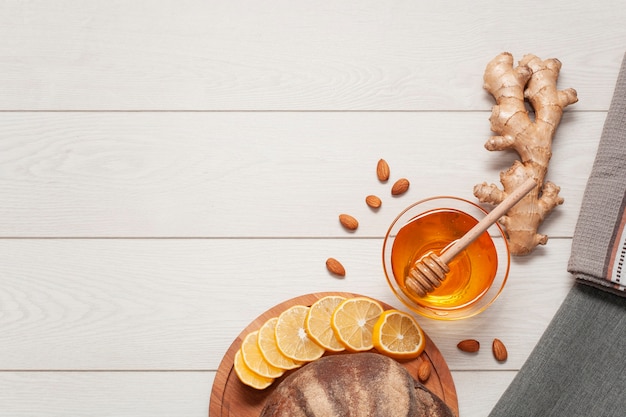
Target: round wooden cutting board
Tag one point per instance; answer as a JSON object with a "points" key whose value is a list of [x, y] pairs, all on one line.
{"points": [[231, 398]]}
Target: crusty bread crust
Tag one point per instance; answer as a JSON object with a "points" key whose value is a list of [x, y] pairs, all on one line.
{"points": [[353, 385]]}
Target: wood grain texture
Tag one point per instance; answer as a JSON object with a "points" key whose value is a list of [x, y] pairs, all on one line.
{"points": [[178, 304], [254, 174], [158, 157], [166, 394], [479, 391], [285, 55], [105, 394]]}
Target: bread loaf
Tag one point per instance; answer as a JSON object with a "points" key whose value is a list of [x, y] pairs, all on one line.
{"points": [[353, 385]]}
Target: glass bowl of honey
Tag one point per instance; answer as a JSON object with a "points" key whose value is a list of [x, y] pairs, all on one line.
{"points": [[477, 275]]}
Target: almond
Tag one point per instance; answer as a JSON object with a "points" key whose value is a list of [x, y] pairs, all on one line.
{"points": [[499, 350], [400, 187], [335, 267], [373, 201], [423, 371], [348, 221], [469, 345], [382, 170]]}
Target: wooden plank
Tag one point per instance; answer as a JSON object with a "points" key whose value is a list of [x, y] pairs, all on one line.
{"points": [[250, 55], [100, 394], [254, 174], [479, 391], [267, 121], [178, 304], [156, 394]]}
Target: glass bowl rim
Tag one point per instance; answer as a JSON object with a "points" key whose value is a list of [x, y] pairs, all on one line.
{"points": [[479, 305]]}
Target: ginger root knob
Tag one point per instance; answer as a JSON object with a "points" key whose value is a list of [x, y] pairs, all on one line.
{"points": [[533, 80]]}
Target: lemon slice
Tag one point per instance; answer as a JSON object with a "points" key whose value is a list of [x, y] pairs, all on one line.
{"points": [[397, 334], [291, 336], [247, 376], [353, 322], [253, 358], [317, 323], [269, 349]]}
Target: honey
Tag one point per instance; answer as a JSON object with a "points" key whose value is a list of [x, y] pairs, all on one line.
{"points": [[471, 272]]}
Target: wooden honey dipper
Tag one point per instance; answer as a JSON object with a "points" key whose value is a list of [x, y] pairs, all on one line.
{"points": [[430, 270]]}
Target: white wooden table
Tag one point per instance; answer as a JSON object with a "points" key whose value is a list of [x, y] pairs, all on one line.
{"points": [[171, 169]]}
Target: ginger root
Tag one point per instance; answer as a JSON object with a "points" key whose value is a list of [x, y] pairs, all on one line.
{"points": [[533, 80]]}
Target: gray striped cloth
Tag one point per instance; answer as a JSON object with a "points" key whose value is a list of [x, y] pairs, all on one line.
{"points": [[599, 245]]}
